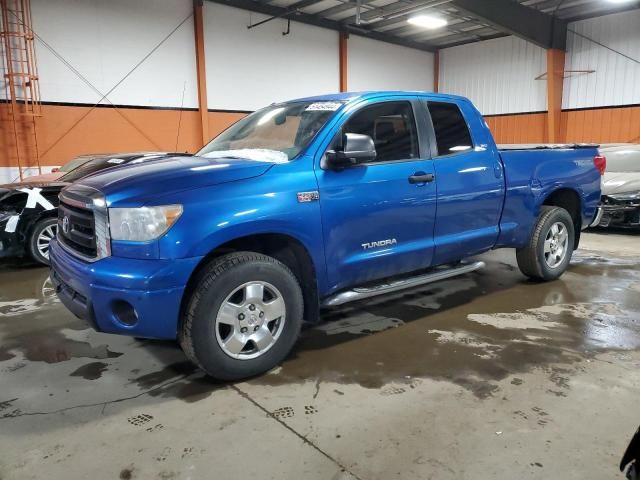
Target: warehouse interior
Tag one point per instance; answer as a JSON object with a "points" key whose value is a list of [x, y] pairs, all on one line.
{"points": [[487, 375]]}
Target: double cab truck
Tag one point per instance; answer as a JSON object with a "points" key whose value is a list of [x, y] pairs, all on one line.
{"points": [[305, 205]]}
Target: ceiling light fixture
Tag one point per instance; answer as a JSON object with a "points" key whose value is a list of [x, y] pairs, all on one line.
{"points": [[618, 1], [427, 21]]}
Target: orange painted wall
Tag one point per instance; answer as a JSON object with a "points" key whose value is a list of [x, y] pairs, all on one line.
{"points": [[604, 125], [104, 130], [524, 128], [131, 129], [598, 125]]}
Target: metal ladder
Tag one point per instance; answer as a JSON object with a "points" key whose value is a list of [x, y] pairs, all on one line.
{"points": [[20, 78]]}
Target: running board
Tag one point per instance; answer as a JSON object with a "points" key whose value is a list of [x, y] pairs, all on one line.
{"points": [[361, 293]]}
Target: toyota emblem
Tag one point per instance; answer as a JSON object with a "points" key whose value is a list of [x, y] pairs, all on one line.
{"points": [[65, 224]]}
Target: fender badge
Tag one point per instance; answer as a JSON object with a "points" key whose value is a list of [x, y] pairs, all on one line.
{"points": [[305, 197]]}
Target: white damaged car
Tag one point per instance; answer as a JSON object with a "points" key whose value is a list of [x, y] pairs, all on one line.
{"points": [[620, 186]]}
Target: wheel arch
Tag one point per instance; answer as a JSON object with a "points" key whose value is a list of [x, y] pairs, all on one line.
{"points": [[284, 248], [570, 200]]}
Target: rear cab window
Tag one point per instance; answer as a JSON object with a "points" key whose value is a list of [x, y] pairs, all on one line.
{"points": [[450, 128]]}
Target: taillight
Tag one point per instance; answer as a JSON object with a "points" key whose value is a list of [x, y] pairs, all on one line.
{"points": [[600, 162]]}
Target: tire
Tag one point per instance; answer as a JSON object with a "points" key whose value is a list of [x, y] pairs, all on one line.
{"points": [[41, 235], [533, 260], [211, 332]]}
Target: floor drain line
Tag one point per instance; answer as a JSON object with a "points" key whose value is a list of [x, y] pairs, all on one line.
{"points": [[247, 397]]}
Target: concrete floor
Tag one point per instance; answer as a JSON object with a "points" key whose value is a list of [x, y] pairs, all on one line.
{"points": [[487, 376]]}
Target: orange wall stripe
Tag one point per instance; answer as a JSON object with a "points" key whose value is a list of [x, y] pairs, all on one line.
{"points": [[523, 128], [106, 131]]}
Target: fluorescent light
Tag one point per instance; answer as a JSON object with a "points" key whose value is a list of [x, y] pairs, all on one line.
{"points": [[427, 21], [618, 1]]}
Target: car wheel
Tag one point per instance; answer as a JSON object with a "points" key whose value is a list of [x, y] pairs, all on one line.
{"points": [[43, 232], [551, 245], [243, 316]]}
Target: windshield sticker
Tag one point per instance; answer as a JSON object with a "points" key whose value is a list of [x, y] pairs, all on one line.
{"points": [[323, 107], [36, 198], [117, 161]]}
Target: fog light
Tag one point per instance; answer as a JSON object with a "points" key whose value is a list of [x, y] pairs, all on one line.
{"points": [[124, 312]]}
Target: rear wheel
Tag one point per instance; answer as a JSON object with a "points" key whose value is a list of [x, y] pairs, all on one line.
{"points": [[243, 317], [43, 232], [551, 245]]}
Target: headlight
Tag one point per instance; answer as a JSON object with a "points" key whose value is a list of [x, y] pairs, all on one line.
{"points": [[142, 224]]}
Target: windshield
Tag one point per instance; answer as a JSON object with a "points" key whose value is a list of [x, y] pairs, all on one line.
{"points": [[91, 166], [73, 164], [274, 134]]}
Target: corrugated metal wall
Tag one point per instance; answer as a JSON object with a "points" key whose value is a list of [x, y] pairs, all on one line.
{"points": [[602, 125], [616, 80], [523, 128], [497, 75], [374, 65]]}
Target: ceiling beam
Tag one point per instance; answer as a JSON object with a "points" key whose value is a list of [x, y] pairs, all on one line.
{"points": [[527, 23], [572, 14], [401, 7], [343, 7], [297, 16]]}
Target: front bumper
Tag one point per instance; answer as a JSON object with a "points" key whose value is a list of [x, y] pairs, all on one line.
{"points": [[122, 295], [11, 243], [618, 215]]}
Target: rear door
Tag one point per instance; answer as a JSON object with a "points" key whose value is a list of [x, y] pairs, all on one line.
{"points": [[469, 175], [377, 220]]}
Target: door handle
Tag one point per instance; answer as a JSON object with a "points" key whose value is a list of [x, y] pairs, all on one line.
{"points": [[421, 178]]}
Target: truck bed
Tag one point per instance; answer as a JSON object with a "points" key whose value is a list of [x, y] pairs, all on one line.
{"points": [[545, 146]]}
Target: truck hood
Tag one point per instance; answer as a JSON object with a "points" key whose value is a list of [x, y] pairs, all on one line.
{"points": [[136, 184], [620, 182]]}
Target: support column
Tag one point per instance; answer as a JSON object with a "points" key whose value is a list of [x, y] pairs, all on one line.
{"points": [[436, 71], [200, 70], [344, 68], [555, 81]]}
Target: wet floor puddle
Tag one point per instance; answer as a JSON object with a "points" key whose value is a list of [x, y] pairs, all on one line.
{"points": [[474, 331]]}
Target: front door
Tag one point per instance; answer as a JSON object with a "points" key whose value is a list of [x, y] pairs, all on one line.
{"points": [[378, 218]]}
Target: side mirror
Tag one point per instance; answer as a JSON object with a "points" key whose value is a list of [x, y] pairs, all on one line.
{"points": [[356, 148]]}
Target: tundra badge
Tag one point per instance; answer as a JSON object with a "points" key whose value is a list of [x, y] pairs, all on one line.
{"points": [[380, 243]]}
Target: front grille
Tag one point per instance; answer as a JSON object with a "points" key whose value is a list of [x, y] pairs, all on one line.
{"points": [[83, 224], [76, 229]]}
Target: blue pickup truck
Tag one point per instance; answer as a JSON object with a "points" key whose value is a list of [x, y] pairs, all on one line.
{"points": [[305, 205]]}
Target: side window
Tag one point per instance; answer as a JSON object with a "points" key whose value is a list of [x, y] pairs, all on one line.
{"points": [[452, 133], [392, 127]]}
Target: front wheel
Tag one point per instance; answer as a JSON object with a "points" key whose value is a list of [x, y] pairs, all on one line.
{"points": [[550, 247], [243, 317], [43, 232]]}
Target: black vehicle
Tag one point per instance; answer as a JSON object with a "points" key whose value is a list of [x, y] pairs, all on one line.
{"points": [[29, 209]]}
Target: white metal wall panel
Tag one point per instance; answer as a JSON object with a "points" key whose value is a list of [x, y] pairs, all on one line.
{"points": [[248, 69], [497, 75], [374, 65], [105, 39], [616, 80]]}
